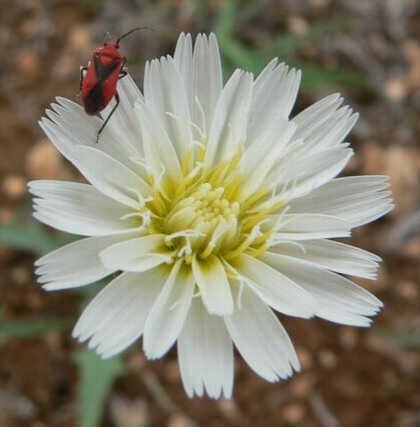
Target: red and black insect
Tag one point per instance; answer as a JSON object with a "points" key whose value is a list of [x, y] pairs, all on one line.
{"points": [[98, 81]]}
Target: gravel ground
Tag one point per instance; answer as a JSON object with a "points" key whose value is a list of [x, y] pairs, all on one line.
{"points": [[350, 377]]}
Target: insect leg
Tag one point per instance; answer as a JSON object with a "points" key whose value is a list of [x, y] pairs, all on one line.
{"points": [[123, 71], [82, 70], [117, 99]]}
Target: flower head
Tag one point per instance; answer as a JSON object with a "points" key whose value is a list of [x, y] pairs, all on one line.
{"points": [[215, 208]]}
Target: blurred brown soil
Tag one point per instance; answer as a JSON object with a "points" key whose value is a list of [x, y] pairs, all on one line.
{"points": [[350, 377]]}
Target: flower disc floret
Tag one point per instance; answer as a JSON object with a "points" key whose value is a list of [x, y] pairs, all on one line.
{"points": [[208, 215]]}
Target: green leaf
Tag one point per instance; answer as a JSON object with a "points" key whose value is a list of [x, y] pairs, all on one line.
{"points": [[314, 77], [226, 19], [408, 340], [236, 54], [23, 329], [288, 44], [96, 378], [240, 56], [32, 237]]}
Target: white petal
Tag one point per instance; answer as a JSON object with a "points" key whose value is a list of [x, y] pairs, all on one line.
{"points": [[261, 339], [297, 176], [332, 255], [71, 126], [212, 281], [68, 125], [115, 318], [260, 157], [121, 137], [183, 58], [76, 264], [323, 124], [79, 209], [128, 88], [274, 94], [334, 292], [356, 199], [338, 315], [164, 92], [318, 113], [274, 288], [110, 176], [205, 354], [168, 314], [160, 154], [206, 85], [230, 118], [330, 133], [310, 226], [121, 134], [136, 255], [202, 75]]}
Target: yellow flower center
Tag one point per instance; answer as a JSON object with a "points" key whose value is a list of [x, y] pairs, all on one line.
{"points": [[206, 214], [203, 223]]}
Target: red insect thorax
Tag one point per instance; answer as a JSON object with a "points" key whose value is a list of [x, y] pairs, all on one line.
{"points": [[109, 53]]}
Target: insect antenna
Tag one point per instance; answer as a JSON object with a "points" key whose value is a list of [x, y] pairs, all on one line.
{"points": [[132, 31]]}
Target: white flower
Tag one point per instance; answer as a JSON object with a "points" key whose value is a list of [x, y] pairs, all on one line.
{"points": [[215, 208]]}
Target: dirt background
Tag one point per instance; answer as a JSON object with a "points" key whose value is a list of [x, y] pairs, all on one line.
{"points": [[350, 377]]}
